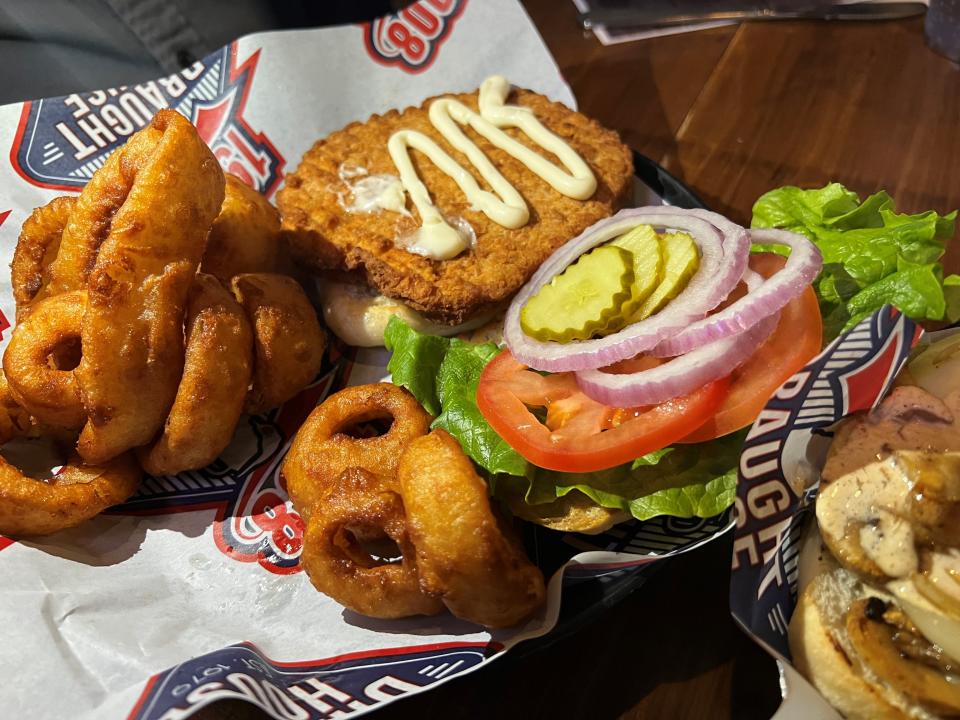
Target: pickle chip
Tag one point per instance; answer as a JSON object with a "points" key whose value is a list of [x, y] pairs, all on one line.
{"points": [[681, 261], [643, 243], [580, 302]]}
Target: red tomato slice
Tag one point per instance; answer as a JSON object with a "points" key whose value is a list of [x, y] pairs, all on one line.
{"points": [[797, 339], [579, 434]]}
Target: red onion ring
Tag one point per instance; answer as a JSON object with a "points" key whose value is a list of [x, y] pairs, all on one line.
{"points": [[724, 251], [771, 296], [679, 376]]}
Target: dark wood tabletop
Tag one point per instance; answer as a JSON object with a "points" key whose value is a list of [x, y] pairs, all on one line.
{"points": [[733, 112]]}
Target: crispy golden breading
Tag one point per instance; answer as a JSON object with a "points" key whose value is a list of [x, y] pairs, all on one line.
{"points": [[37, 247], [245, 237], [321, 450], [216, 374], [288, 342], [359, 507], [465, 553], [323, 235], [168, 191], [76, 494], [41, 356]]}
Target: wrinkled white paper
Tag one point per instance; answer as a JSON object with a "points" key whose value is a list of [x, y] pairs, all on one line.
{"points": [[96, 616]]}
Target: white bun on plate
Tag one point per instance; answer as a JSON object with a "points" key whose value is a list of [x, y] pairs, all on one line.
{"points": [[877, 625]]}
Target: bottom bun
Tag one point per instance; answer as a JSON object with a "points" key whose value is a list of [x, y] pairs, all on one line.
{"points": [[358, 315], [860, 649], [574, 512], [817, 641]]}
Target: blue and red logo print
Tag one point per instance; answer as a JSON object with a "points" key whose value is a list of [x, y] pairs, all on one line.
{"points": [[411, 38], [310, 690], [61, 142]]}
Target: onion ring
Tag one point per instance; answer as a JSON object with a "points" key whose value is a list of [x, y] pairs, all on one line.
{"points": [[357, 505], [37, 247], [724, 249], [321, 451], [39, 361], [132, 331], [98, 207], [245, 237], [679, 376], [216, 375], [288, 340], [15, 422], [76, 494], [463, 554]]}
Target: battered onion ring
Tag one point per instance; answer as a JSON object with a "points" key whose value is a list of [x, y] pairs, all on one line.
{"points": [[321, 451], [245, 237], [463, 554], [216, 375], [76, 494], [99, 204], [37, 246], [338, 565], [133, 327], [15, 422], [288, 340], [40, 359]]}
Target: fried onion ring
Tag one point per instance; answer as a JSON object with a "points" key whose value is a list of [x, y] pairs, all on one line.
{"points": [[216, 375], [39, 361], [288, 340], [98, 207], [15, 422], [76, 494], [338, 566], [132, 331], [322, 450], [463, 554], [245, 237], [37, 247]]}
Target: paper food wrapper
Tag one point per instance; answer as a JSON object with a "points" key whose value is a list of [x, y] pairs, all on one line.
{"points": [[779, 476], [191, 592]]}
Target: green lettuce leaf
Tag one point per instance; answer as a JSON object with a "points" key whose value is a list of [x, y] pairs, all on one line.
{"points": [[684, 481], [457, 382], [443, 375], [951, 289], [415, 361], [872, 255]]}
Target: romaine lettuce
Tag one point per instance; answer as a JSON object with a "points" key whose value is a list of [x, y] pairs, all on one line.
{"points": [[872, 255], [443, 374]]}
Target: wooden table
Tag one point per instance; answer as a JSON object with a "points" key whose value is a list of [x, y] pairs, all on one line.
{"points": [[733, 112]]}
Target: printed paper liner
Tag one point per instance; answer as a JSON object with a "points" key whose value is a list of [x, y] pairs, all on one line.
{"points": [[191, 592], [779, 476]]}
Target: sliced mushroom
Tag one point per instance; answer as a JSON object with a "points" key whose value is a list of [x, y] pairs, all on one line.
{"points": [[860, 517], [935, 499], [939, 580], [890, 647]]}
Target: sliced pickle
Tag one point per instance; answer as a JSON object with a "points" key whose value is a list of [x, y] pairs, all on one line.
{"points": [[643, 243], [681, 261], [580, 301]]}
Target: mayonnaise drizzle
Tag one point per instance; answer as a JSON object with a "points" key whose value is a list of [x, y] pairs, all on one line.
{"points": [[504, 206], [371, 193]]}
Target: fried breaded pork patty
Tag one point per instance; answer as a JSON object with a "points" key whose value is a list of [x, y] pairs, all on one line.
{"points": [[323, 235]]}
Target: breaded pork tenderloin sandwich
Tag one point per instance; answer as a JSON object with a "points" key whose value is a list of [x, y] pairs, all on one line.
{"points": [[440, 213]]}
